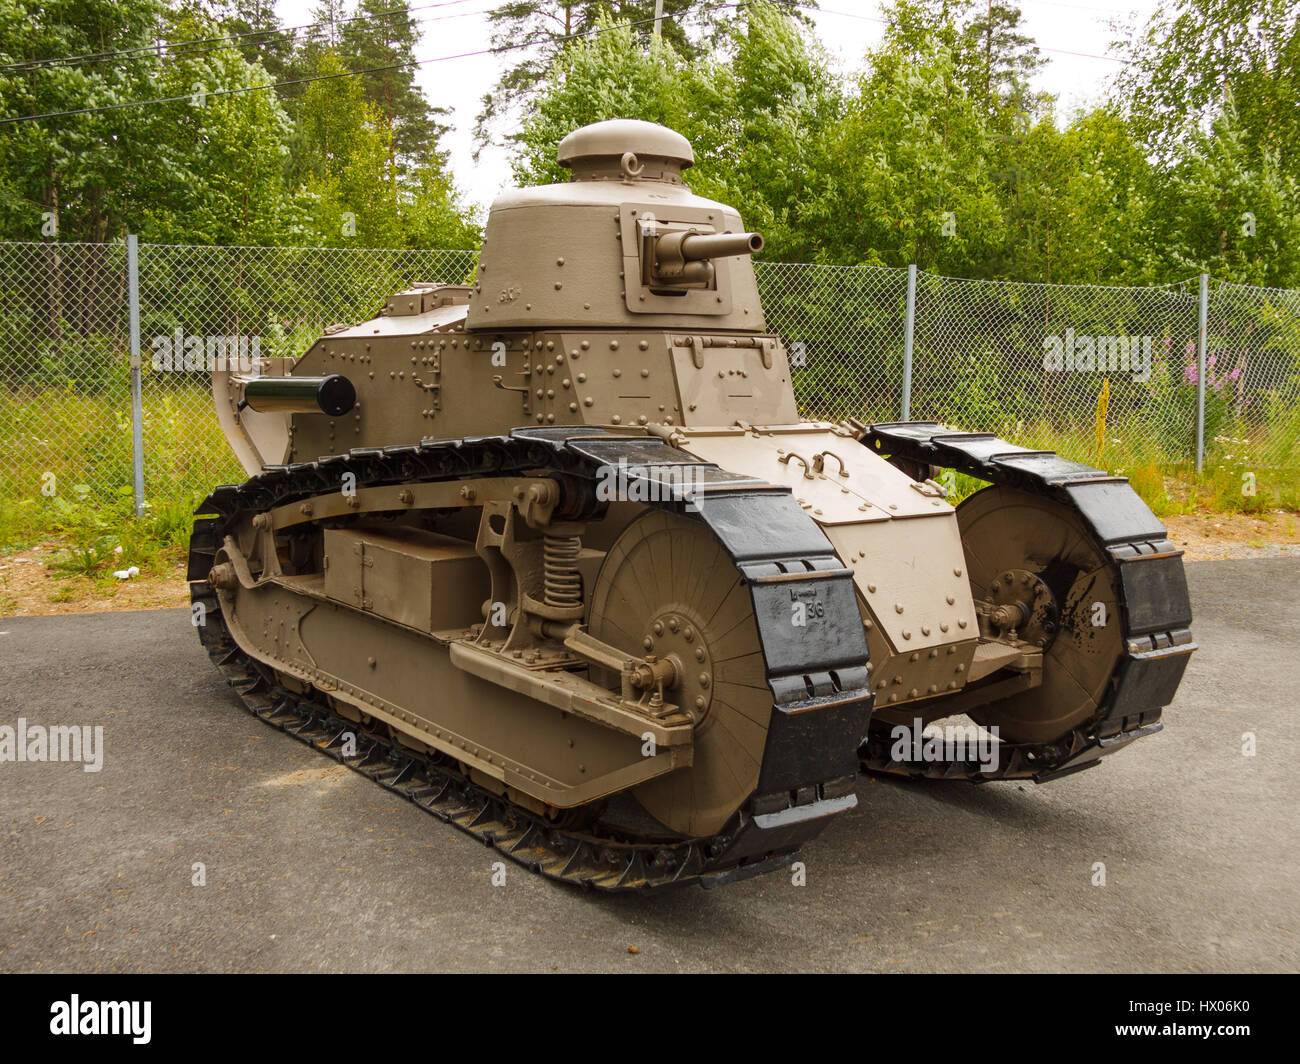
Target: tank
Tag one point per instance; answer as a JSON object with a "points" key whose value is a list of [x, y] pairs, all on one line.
{"points": [[554, 556]]}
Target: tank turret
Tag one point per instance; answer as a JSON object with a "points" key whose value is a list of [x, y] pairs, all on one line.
{"points": [[582, 253]]}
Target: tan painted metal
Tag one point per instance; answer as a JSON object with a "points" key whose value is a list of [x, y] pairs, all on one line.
{"points": [[257, 439], [668, 589], [1006, 530], [899, 537], [410, 681]]}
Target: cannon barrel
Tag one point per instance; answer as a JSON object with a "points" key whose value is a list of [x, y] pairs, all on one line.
{"points": [[696, 246], [686, 257], [334, 395]]}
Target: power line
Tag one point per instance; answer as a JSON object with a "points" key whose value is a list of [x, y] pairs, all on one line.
{"points": [[184, 48], [323, 77], [418, 63], [1040, 47]]}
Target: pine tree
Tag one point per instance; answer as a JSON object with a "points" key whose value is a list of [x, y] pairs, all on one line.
{"points": [[381, 38]]}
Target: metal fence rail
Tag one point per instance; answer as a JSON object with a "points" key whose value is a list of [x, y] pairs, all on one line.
{"points": [[1113, 375]]}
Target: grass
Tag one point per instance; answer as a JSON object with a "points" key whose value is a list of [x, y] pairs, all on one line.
{"points": [[67, 474], [1241, 475]]}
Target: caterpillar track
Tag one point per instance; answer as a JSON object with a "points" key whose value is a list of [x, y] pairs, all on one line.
{"points": [[1155, 611], [819, 698]]}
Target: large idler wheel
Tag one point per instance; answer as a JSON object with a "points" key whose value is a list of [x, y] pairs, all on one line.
{"points": [[1044, 544], [669, 589]]}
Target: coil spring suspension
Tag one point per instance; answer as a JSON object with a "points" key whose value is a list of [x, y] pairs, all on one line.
{"points": [[562, 580]]}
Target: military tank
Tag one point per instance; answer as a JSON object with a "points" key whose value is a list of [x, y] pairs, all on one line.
{"points": [[554, 556]]}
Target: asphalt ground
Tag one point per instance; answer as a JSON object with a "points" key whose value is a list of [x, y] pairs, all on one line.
{"points": [[310, 867]]}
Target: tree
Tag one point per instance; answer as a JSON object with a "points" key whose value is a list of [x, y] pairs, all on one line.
{"points": [[995, 62], [754, 111], [775, 85], [907, 171], [262, 37], [433, 214], [610, 74], [58, 168], [225, 154], [1228, 214], [1190, 57], [381, 41], [346, 159], [1079, 210], [536, 31]]}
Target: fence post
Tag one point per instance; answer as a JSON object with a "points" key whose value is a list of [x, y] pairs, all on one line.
{"points": [[137, 403], [909, 324], [1202, 339]]}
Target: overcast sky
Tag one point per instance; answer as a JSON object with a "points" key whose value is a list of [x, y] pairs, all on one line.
{"points": [[1075, 38]]}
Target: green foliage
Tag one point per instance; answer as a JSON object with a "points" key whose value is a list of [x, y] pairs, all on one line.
{"points": [[381, 40], [1230, 214], [908, 175], [219, 157], [612, 74], [537, 33]]}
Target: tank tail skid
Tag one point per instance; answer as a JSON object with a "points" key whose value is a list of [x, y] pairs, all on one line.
{"points": [[1156, 612]]}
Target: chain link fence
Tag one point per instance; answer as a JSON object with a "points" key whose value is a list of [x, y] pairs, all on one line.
{"points": [[1111, 375]]}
